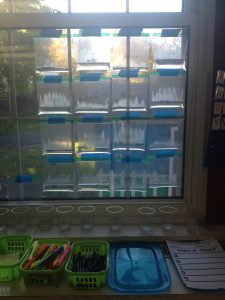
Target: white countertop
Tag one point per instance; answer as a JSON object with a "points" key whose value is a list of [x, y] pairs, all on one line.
{"points": [[177, 290]]}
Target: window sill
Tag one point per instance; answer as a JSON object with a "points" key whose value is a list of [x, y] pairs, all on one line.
{"points": [[128, 232]]}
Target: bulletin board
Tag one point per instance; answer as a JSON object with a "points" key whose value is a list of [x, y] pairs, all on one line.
{"points": [[215, 156]]}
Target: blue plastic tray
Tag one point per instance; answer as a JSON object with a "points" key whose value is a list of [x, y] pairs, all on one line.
{"points": [[137, 267]]}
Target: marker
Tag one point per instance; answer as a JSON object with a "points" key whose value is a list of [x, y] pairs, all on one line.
{"points": [[35, 246], [60, 260], [38, 255], [92, 263], [52, 248], [45, 260]]}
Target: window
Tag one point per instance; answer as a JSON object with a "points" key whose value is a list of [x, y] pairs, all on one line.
{"points": [[155, 6], [101, 108], [90, 6]]}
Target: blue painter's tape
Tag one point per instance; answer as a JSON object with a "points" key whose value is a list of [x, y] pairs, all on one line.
{"points": [[128, 73], [53, 79], [130, 115], [56, 119], [95, 31], [92, 118], [170, 32], [166, 113], [60, 158], [132, 158], [49, 32], [132, 31], [163, 152], [95, 156], [23, 178], [90, 76], [169, 72]]}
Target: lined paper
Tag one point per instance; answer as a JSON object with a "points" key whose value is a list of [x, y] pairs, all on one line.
{"points": [[201, 264]]}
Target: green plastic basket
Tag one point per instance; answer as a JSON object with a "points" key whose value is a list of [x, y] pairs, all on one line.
{"points": [[44, 277], [87, 280], [11, 244]]}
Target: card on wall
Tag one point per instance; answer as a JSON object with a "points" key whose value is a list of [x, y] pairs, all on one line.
{"points": [[215, 156]]}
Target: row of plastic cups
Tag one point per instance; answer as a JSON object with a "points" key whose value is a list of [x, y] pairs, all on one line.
{"points": [[167, 213], [167, 218], [86, 212], [44, 214]]}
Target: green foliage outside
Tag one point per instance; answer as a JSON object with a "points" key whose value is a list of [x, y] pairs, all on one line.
{"points": [[17, 50]]}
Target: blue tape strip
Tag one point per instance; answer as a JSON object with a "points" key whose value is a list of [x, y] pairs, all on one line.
{"points": [[169, 72], [132, 31], [60, 158], [130, 115], [90, 31], [163, 152], [53, 79], [90, 76], [51, 32], [56, 119], [132, 158], [95, 156], [90, 118], [128, 73], [23, 178], [166, 113], [170, 32]]}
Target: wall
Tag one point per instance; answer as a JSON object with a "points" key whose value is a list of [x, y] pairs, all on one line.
{"points": [[216, 176]]}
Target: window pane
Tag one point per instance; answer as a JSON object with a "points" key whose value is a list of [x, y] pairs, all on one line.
{"points": [[106, 117], [5, 97], [24, 71], [40, 6], [92, 6], [155, 5], [4, 8], [9, 169], [30, 146]]}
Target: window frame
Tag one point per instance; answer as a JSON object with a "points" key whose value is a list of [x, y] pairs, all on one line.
{"points": [[194, 15]]}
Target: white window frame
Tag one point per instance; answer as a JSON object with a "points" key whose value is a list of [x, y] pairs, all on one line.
{"points": [[195, 15]]}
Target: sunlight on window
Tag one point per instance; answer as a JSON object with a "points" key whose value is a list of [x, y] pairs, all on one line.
{"points": [[93, 6], [155, 5], [61, 6]]}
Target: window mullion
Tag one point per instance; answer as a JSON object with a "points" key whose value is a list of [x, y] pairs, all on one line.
{"points": [[128, 121], [14, 106], [73, 20], [127, 6]]}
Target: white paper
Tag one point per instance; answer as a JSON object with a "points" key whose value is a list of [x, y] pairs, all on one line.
{"points": [[200, 264]]}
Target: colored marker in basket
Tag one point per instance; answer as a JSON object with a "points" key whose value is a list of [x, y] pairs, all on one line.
{"points": [[37, 256], [47, 256], [42, 262], [61, 259]]}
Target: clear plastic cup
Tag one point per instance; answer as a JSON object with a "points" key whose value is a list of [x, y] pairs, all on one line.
{"points": [[20, 217], [3, 215], [115, 212], [168, 218], [146, 219], [192, 221], [64, 214], [44, 213], [86, 217]]}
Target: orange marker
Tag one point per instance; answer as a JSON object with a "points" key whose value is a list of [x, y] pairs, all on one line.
{"points": [[37, 256]]}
